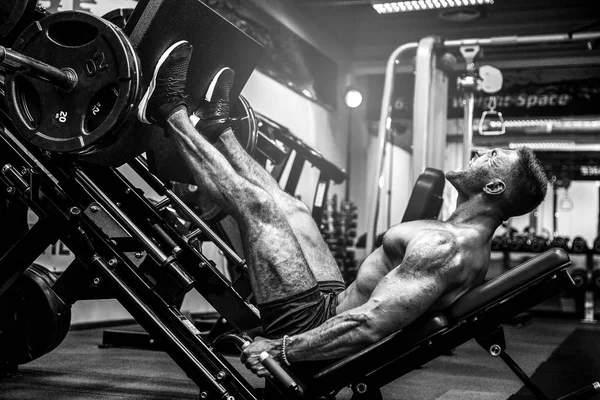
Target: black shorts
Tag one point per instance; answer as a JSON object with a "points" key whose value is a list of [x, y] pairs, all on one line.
{"points": [[302, 311]]}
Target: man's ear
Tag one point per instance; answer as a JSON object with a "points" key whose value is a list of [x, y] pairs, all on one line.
{"points": [[495, 187]]}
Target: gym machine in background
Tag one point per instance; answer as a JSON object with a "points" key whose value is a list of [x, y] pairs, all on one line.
{"points": [[433, 61], [301, 153]]}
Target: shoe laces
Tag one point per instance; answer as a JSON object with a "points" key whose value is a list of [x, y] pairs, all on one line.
{"points": [[175, 87], [218, 109]]}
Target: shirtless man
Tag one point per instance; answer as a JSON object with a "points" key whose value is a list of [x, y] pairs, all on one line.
{"points": [[306, 311]]}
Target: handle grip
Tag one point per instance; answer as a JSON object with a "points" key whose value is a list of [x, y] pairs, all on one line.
{"points": [[287, 384]]}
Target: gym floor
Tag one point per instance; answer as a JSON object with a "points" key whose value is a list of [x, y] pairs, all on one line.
{"points": [[79, 369]]}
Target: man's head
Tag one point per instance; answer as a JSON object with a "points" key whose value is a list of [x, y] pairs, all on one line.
{"points": [[513, 180]]}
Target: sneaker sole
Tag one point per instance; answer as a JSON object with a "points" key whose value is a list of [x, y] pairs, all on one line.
{"points": [[213, 84], [144, 102]]}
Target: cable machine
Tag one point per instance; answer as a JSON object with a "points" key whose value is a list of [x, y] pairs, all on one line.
{"points": [[431, 99]]}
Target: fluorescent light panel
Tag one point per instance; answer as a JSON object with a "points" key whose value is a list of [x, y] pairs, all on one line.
{"points": [[419, 5]]}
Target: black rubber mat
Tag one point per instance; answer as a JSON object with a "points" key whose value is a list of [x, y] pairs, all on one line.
{"points": [[574, 364]]}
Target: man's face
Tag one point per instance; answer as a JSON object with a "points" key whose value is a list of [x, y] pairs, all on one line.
{"points": [[485, 166]]}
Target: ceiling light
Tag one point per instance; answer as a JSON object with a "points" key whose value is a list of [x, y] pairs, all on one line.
{"points": [[353, 98], [417, 5]]}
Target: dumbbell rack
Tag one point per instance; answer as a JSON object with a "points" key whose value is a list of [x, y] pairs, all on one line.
{"points": [[125, 250]]}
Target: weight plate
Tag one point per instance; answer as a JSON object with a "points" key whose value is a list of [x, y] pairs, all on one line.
{"points": [[244, 124], [119, 17], [12, 12], [63, 320], [31, 318], [108, 71]]}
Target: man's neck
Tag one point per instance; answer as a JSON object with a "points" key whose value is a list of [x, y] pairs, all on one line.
{"points": [[477, 214]]}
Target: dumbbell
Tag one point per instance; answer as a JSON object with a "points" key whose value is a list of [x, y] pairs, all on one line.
{"points": [[596, 278], [498, 243], [596, 245], [579, 275], [538, 244], [579, 245], [560, 242], [520, 242]]}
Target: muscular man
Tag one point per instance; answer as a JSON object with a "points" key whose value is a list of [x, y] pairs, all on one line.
{"points": [[306, 311]]}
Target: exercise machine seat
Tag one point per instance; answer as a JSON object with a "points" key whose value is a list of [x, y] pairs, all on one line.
{"points": [[427, 196], [437, 333], [509, 282]]}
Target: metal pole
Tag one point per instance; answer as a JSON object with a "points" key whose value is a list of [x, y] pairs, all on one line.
{"points": [[531, 39], [348, 154], [469, 109], [65, 79], [390, 181], [156, 253], [384, 125], [139, 166]]}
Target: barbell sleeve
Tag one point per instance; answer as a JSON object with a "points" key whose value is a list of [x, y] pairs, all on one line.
{"points": [[65, 78]]}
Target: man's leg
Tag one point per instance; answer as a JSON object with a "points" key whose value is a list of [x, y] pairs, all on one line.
{"points": [[277, 264], [278, 268], [317, 254]]}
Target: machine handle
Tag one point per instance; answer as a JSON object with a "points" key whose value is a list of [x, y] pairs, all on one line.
{"points": [[282, 379], [584, 393]]}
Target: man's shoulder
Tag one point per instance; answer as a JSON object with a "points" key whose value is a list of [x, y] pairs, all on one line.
{"points": [[433, 249], [434, 237], [414, 229]]}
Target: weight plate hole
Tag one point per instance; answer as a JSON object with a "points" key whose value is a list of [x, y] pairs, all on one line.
{"points": [[29, 102], [72, 33], [100, 106]]}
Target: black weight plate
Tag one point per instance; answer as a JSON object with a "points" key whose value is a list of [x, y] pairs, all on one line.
{"points": [[12, 12], [244, 124], [109, 95], [119, 17], [63, 320], [108, 81], [29, 318]]}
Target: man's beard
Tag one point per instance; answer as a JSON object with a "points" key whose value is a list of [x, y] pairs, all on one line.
{"points": [[468, 181]]}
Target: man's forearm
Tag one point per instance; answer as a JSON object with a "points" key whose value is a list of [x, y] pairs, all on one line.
{"points": [[338, 337]]}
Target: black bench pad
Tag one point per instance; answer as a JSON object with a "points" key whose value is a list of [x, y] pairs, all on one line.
{"points": [[401, 342], [506, 284]]}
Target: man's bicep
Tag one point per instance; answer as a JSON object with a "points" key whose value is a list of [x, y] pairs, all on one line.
{"points": [[399, 299], [411, 288]]}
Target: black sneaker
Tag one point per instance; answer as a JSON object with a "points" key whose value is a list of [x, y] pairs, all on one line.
{"points": [[212, 119], [168, 87]]}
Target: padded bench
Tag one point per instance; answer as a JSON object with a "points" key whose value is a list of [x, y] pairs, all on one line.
{"points": [[478, 314]]}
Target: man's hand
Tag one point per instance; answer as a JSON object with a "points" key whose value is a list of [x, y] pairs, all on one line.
{"points": [[251, 353]]}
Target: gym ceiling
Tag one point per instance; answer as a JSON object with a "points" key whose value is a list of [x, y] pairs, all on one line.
{"points": [[372, 37]]}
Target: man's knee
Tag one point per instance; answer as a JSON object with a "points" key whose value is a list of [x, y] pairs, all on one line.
{"points": [[296, 207], [258, 202]]}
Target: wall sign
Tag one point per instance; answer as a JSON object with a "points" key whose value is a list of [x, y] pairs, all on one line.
{"points": [[548, 92]]}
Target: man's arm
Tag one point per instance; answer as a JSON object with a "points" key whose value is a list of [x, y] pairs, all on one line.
{"points": [[403, 295]]}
